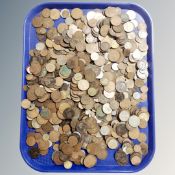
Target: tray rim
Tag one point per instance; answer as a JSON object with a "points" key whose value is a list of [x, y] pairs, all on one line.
{"points": [[149, 19]]}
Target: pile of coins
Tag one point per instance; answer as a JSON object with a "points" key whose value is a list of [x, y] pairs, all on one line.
{"points": [[85, 81]]}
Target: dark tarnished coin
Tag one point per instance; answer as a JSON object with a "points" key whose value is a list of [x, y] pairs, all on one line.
{"points": [[121, 157], [34, 152], [121, 129], [68, 113], [119, 97]]}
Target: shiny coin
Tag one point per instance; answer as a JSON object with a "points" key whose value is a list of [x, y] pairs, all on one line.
{"points": [[40, 46], [105, 130], [25, 104], [131, 14], [128, 26], [134, 121], [113, 144], [124, 115], [83, 85], [106, 108], [67, 164]]}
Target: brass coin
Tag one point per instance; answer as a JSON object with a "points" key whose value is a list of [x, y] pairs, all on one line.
{"points": [[25, 104], [45, 13], [54, 14], [76, 13], [37, 21]]}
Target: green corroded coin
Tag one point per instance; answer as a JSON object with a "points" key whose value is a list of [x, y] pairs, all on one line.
{"points": [[64, 71], [45, 113], [99, 112]]}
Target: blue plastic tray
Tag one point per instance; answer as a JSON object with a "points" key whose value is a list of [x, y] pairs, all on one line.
{"points": [[44, 163]]}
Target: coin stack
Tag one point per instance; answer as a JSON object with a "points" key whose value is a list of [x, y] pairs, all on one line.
{"points": [[85, 81]]}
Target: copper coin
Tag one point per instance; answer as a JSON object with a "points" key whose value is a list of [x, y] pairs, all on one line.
{"points": [[30, 141], [90, 161], [73, 140]]}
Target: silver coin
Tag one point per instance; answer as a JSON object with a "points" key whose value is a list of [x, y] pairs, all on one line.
{"points": [[121, 86], [142, 64]]}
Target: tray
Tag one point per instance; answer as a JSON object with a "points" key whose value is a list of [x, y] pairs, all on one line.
{"points": [[44, 163]]}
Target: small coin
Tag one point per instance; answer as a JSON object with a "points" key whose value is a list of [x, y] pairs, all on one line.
{"points": [[121, 129], [37, 21], [128, 26], [76, 13], [144, 115], [136, 158], [65, 13], [131, 14], [67, 164], [40, 46], [33, 152], [50, 67], [73, 140], [111, 11], [67, 111], [107, 109], [59, 81], [134, 133], [83, 85], [30, 141], [116, 20], [26, 104], [45, 13], [134, 121], [124, 115], [113, 144], [142, 137], [105, 130], [54, 14], [121, 157], [54, 136], [90, 161], [114, 55]]}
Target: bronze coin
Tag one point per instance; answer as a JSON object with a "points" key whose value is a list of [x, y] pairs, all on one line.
{"points": [[72, 140], [90, 75], [67, 149], [102, 154], [56, 158], [47, 127], [56, 96]]}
